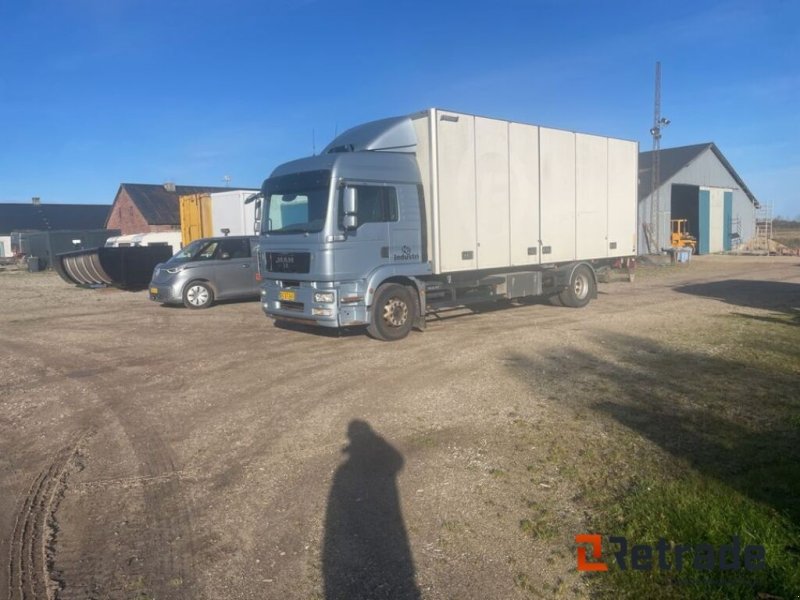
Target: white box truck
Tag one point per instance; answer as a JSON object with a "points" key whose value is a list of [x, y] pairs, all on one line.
{"points": [[219, 214], [406, 215]]}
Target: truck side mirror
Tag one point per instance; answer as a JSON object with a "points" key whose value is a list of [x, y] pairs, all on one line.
{"points": [[257, 217], [350, 220]]}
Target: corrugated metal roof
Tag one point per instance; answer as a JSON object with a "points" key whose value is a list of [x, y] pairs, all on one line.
{"points": [[674, 159], [50, 217], [160, 206]]}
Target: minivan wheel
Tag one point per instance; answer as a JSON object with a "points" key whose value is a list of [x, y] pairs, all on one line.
{"points": [[197, 295], [393, 313]]}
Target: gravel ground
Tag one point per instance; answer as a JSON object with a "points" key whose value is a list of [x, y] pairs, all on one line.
{"points": [[154, 452]]}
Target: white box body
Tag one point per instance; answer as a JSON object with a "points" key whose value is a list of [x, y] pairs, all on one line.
{"points": [[503, 194]]}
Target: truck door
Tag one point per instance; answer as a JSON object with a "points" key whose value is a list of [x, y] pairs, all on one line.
{"points": [[406, 232], [368, 245]]}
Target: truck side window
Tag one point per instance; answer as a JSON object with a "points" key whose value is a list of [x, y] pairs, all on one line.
{"points": [[376, 204]]}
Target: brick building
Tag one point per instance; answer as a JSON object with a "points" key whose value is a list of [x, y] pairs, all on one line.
{"points": [[144, 207]]}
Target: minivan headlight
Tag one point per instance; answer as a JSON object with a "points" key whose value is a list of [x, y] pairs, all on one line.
{"points": [[324, 297], [174, 270]]}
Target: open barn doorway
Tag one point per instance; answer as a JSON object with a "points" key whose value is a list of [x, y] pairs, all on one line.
{"points": [[685, 204]]}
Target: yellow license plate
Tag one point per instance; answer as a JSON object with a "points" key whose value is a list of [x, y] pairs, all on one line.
{"points": [[154, 291], [286, 295]]}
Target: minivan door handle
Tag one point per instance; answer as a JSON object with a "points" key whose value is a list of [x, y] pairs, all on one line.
{"points": [[245, 266]]}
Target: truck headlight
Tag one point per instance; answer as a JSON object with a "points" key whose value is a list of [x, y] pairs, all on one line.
{"points": [[324, 297]]}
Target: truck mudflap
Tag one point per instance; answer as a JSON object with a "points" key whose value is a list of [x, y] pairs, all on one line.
{"points": [[126, 267]]}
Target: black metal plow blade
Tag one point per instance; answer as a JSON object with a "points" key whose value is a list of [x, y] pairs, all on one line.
{"points": [[127, 267]]}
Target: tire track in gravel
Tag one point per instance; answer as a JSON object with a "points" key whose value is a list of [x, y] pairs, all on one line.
{"points": [[165, 569], [31, 551]]}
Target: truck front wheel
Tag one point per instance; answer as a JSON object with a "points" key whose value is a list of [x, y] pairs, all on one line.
{"points": [[393, 313], [580, 290]]}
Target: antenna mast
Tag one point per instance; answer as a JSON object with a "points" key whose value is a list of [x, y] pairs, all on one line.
{"points": [[659, 122]]}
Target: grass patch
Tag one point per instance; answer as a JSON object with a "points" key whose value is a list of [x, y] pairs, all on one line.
{"points": [[539, 527], [498, 473], [738, 433], [787, 236], [699, 442], [695, 510]]}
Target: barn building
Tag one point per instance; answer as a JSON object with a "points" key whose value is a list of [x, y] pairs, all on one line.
{"points": [[144, 208], [35, 216], [700, 185]]}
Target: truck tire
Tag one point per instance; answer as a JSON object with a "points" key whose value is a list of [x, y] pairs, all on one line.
{"points": [[197, 294], [393, 313], [580, 290]]}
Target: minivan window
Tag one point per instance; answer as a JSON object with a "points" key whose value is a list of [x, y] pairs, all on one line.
{"points": [[235, 248], [208, 251], [188, 252]]}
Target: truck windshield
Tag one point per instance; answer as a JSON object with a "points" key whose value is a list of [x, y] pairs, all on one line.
{"points": [[296, 203]]}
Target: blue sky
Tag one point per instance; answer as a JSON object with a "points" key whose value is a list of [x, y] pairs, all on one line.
{"points": [[97, 92]]}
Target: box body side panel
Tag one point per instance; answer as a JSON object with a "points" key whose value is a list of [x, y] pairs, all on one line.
{"points": [[456, 192], [524, 194], [228, 211], [492, 193], [557, 202], [622, 210], [591, 196], [424, 155]]}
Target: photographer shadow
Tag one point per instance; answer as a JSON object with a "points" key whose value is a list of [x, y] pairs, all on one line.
{"points": [[366, 553]]}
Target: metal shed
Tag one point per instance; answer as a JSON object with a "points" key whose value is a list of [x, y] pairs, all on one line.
{"points": [[45, 245], [700, 185]]}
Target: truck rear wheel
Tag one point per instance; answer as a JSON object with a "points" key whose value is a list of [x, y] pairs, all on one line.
{"points": [[393, 313], [580, 290]]}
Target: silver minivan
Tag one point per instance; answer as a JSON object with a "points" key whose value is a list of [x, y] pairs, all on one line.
{"points": [[209, 269]]}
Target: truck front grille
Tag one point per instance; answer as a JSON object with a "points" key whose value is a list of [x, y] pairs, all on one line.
{"points": [[287, 262]]}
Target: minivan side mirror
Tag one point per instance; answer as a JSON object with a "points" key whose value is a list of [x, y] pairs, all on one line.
{"points": [[350, 220]]}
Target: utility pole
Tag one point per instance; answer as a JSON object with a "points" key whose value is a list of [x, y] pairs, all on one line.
{"points": [[659, 122]]}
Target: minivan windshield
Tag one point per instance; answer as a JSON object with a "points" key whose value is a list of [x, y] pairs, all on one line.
{"points": [[296, 203], [196, 250]]}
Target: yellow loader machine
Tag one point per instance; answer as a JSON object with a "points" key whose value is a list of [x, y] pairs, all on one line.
{"points": [[681, 238]]}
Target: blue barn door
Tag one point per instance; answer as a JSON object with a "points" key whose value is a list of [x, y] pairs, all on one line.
{"points": [[704, 218]]}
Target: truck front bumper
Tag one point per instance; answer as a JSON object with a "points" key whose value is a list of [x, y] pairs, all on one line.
{"points": [[306, 302]]}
